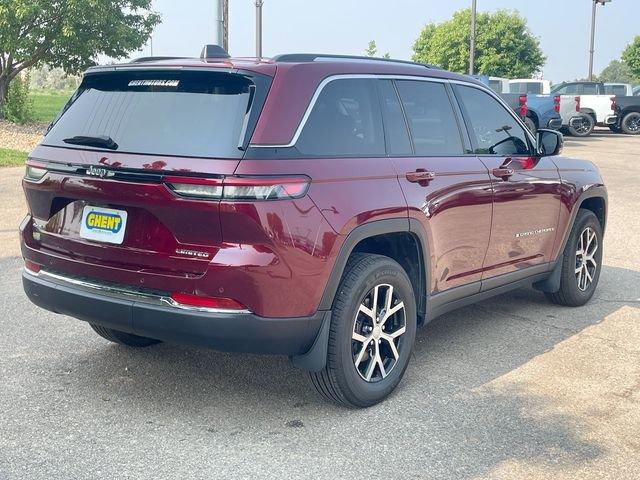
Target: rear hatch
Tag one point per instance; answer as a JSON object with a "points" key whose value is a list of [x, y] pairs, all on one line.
{"points": [[113, 182]]}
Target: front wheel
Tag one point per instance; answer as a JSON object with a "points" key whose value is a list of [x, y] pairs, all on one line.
{"points": [[373, 328], [631, 123], [581, 262], [582, 127]]}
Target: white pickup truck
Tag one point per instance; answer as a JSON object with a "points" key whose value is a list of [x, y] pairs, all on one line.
{"points": [[595, 103]]}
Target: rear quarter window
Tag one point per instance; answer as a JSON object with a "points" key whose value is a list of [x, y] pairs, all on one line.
{"points": [[197, 114]]}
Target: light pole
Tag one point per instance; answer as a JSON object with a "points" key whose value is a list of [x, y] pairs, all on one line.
{"points": [[593, 34], [472, 46], [259, 28], [218, 18]]}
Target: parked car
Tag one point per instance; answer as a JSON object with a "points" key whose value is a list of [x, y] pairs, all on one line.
{"points": [[574, 122], [628, 115], [315, 206], [530, 85], [618, 89], [537, 111], [592, 88]]}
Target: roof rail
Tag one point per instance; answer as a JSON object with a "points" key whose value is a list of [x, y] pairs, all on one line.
{"points": [[152, 59], [324, 57]]}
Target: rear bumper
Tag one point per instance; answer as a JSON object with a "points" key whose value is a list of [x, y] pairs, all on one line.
{"points": [[555, 123], [236, 332]]}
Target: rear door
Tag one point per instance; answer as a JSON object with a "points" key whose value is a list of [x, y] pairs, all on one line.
{"points": [[446, 189], [526, 200]]}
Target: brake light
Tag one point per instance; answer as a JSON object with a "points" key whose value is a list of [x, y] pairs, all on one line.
{"points": [[556, 104], [196, 301], [31, 266], [240, 188], [523, 105], [577, 99], [613, 103]]}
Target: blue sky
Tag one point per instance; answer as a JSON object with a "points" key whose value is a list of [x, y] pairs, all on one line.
{"points": [[346, 26]]}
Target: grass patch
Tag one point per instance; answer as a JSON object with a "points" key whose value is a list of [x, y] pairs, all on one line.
{"points": [[12, 158], [47, 104]]}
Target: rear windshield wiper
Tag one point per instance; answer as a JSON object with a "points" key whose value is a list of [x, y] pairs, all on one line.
{"points": [[101, 141]]}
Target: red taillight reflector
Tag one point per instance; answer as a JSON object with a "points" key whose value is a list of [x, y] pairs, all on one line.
{"points": [[523, 105], [577, 99], [613, 103], [556, 103], [197, 301], [31, 266]]}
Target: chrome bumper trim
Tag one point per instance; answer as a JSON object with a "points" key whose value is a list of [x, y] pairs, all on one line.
{"points": [[126, 293]]}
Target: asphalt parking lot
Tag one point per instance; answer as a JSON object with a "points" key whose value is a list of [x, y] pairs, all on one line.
{"points": [[510, 388]]}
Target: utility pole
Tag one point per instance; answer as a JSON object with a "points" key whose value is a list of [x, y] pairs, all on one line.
{"points": [[218, 26], [225, 25], [259, 28], [593, 34], [472, 46]]}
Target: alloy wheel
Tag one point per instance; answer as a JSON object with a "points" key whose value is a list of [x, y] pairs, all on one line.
{"points": [[586, 264], [583, 126], [377, 335], [632, 122]]}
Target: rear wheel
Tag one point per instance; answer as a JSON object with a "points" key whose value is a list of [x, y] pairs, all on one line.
{"points": [[122, 338], [581, 262], [631, 123], [373, 328], [583, 126]]}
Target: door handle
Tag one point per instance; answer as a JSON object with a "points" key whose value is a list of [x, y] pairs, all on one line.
{"points": [[503, 172], [421, 176]]}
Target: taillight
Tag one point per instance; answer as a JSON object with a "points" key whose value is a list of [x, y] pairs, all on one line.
{"points": [[196, 301], [31, 266], [556, 104], [35, 170], [523, 105], [240, 188], [577, 99], [613, 103]]}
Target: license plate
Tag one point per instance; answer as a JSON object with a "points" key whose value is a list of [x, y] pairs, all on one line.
{"points": [[103, 224]]}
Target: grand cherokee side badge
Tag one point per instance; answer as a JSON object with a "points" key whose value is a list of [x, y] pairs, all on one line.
{"points": [[531, 233]]}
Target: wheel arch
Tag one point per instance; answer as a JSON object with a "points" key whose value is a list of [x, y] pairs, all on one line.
{"points": [[401, 239]]}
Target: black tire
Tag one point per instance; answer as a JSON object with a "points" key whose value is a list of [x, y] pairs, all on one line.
{"points": [[631, 123], [570, 293], [341, 381], [122, 338], [584, 128], [531, 125]]}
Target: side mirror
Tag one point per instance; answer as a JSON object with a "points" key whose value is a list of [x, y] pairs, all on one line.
{"points": [[548, 142]]}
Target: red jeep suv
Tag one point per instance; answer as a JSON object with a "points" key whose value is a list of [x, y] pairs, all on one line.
{"points": [[321, 207]]}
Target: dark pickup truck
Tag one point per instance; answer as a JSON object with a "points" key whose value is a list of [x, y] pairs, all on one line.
{"points": [[628, 111]]}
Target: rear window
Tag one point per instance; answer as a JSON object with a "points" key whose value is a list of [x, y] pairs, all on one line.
{"points": [[525, 87], [620, 90], [197, 114]]}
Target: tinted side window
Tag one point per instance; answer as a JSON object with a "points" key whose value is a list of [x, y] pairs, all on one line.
{"points": [[433, 125], [493, 130], [589, 89], [345, 121], [396, 133]]}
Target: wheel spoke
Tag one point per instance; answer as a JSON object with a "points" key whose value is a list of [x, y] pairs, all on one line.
{"points": [[360, 356], [374, 307], [397, 333], [593, 262], [388, 299], [371, 367], [381, 365], [392, 311], [367, 311], [359, 337]]}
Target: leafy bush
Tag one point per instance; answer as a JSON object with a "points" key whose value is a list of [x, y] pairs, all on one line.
{"points": [[18, 107]]}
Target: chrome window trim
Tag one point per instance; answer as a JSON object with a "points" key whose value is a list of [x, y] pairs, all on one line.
{"points": [[123, 292], [332, 78]]}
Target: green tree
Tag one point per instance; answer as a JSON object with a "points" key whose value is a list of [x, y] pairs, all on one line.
{"points": [[618, 72], [68, 33], [505, 47], [372, 50], [631, 56]]}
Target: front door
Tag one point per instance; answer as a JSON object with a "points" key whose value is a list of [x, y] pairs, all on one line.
{"points": [[447, 191], [526, 201]]}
